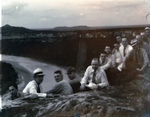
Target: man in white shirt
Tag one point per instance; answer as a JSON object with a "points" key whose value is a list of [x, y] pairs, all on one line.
{"points": [[125, 51], [118, 39], [117, 56], [94, 77], [34, 86], [147, 34]]}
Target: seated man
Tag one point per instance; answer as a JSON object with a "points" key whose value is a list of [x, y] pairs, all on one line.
{"points": [[106, 64], [143, 44], [94, 77], [118, 39], [138, 60], [109, 55], [34, 87], [62, 87], [104, 61], [117, 56], [74, 81], [11, 94], [125, 51]]}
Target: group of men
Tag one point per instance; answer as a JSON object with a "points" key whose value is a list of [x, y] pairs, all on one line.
{"points": [[126, 58]]}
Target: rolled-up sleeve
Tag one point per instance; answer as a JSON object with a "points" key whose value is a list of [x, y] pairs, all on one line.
{"points": [[85, 77], [32, 89], [104, 82], [107, 65]]}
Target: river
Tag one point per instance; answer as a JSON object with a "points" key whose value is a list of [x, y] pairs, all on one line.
{"points": [[25, 67]]}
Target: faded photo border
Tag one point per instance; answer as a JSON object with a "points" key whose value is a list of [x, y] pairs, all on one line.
{"points": [[56, 35]]}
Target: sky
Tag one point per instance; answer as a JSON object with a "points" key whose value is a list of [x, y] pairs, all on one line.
{"points": [[54, 13]]}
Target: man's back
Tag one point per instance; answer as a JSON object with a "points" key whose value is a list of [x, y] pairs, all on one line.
{"points": [[62, 87]]}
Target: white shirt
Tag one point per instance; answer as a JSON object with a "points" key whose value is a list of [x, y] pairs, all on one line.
{"points": [[31, 88], [128, 49], [107, 63], [100, 78], [117, 56]]}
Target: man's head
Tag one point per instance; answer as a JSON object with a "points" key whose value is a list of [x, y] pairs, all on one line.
{"points": [[94, 63], [138, 38], [13, 92], [124, 42], [71, 73], [134, 34], [142, 35], [116, 46], [135, 44], [147, 31], [103, 56], [38, 75], [118, 39], [58, 76], [107, 49]]}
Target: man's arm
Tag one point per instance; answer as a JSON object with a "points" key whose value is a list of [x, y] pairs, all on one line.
{"points": [[33, 90], [57, 88], [104, 81], [146, 60], [107, 65], [84, 79]]}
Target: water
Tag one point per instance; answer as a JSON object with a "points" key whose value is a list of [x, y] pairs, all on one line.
{"points": [[25, 67]]}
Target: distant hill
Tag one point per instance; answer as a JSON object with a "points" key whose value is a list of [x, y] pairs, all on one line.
{"points": [[71, 28], [12, 29]]}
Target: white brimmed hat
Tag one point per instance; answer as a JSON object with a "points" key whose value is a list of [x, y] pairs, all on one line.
{"points": [[147, 28], [134, 43], [38, 72]]}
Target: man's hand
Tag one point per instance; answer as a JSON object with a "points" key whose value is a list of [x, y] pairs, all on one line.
{"points": [[123, 65], [138, 69], [49, 95], [82, 87]]}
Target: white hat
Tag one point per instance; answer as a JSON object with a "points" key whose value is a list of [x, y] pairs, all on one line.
{"points": [[38, 71], [147, 28]]}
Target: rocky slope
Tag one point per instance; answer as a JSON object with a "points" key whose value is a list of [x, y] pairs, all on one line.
{"points": [[128, 100]]}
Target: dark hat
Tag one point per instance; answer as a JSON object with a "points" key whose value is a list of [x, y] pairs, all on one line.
{"points": [[70, 70], [38, 72]]}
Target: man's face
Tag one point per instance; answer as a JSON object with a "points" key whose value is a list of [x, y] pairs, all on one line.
{"points": [[118, 39], [39, 79], [147, 33], [143, 36], [138, 38], [71, 75], [124, 42], [107, 50], [94, 64], [116, 46], [58, 77], [103, 56], [134, 34], [13, 90]]}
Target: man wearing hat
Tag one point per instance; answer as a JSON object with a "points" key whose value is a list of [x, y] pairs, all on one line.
{"points": [[138, 60], [147, 34], [34, 87], [125, 51], [74, 81]]}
